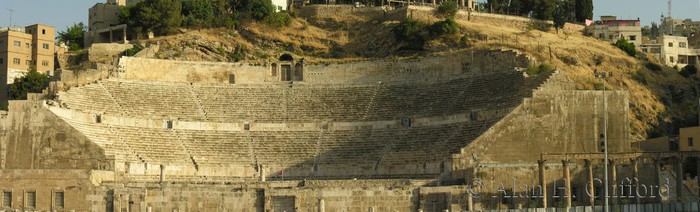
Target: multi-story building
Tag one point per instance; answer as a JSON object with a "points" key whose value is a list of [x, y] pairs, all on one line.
{"points": [[676, 51], [611, 29], [684, 27], [104, 25], [21, 49]]}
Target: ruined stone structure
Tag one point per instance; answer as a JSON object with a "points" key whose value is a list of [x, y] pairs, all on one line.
{"points": [[292, 135]]}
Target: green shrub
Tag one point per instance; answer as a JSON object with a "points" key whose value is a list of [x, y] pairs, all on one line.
{"points": [[627, 47], [279, 19], [598, 60], [539, 69], [539, 25], [689, 71], [598, 85], [639, 77], [411, 32], [653, 66], [132, 51], [32, 82], [464, 40], [447, 9], [445, 27]]}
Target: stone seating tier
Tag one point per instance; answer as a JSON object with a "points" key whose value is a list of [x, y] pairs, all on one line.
{"points": [[299, 103], [388, 146]]}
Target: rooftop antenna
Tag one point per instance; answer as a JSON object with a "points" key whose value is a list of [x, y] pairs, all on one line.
{"points": [[670, 9], [11, 11]]}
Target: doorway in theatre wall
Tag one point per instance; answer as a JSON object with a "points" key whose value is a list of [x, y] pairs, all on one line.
{"points": [[286, 72]]}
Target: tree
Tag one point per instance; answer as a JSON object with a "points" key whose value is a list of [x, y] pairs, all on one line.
{"points": [[498, 6], [544, 9], [584, 10], [73, 36], [258, 9], [447, 9], [521, 7], [654, 31], [560, 15], [158, 16], [197, 13], [32, 82]]}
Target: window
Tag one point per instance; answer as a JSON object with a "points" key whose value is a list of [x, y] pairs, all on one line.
{"points": [[633, 37], [7, 199], [31, 199], [682, 44], [18, 44], [44, 63], [59, 199], [16, 61], [274, 70], [28, 62], [670, 44], [43, 31], [671, 58], [690, 141], [279, 8], [46, 46], [26, 45]]}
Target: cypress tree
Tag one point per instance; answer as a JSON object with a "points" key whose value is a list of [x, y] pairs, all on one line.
{"points": [[584, 10], [544, 9]]}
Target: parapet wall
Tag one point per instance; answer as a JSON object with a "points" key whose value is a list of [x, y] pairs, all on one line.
{"points": [[187, 71], [427, 69], [333, 11]]}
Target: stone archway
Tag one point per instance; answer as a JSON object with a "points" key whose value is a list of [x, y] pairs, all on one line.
{"points": [[286, 57]]}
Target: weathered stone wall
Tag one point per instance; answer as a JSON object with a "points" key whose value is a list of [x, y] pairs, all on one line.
{"points": [[554, 121], [34, 138], [74, 184], [186, 71], [70, 78], [252, 197], [106, 52], [333, 11], [418, 70]]}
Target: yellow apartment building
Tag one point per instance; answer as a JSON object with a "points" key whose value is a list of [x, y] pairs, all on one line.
{"points": [[22, 48]]}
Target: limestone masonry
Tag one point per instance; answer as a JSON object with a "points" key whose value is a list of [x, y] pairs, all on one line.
{"points": [[415, 134]]}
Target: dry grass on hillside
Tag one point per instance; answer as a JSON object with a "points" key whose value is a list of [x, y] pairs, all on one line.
{"points": [[575, 55]]}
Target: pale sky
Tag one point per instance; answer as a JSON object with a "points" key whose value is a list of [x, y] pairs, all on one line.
{"points": [[63, 13]]}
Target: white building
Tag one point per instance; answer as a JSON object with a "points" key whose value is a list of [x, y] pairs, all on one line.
{"points": [[676, 51]]}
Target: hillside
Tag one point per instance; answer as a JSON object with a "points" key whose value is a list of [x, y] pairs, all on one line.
{"points": [[661, 100]]}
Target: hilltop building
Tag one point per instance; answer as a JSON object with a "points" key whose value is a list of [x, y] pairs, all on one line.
{"points": [[610, 28], [104, 25], [21, 48], [678, 27], [674, 50]]}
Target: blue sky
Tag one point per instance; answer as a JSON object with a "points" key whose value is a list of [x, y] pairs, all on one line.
{"points": [[62, 13]]}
